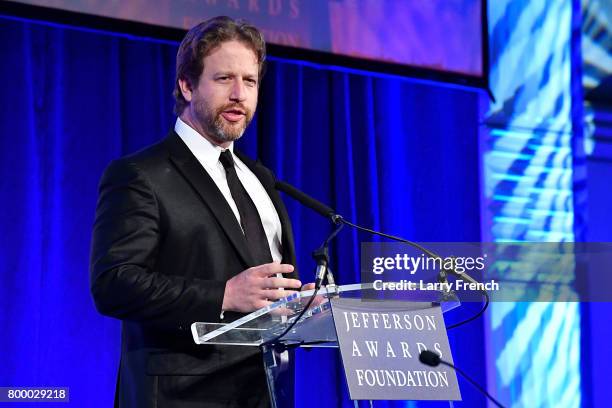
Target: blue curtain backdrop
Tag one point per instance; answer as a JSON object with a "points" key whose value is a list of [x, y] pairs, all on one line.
{"points": [[386, 152]]}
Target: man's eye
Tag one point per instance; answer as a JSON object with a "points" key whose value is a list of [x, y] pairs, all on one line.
{"points": [[251, 82], [223, 78]]}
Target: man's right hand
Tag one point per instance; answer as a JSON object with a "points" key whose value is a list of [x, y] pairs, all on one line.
{"points": [[257, 287]]}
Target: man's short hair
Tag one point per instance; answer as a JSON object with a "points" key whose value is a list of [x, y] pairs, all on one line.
{"points": [[201, 40]]}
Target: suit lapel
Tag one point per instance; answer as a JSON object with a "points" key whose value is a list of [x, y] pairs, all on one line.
{"points": [[208, 191], [267, 181]]}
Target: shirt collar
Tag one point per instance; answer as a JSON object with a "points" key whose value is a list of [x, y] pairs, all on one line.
{"points": [[205, 151]]}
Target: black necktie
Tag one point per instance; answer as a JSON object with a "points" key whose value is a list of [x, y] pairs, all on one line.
{"points": [[249, 217]]}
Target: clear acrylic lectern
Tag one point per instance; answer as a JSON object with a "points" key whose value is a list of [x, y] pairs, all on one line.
{"points": [[314, 329]]}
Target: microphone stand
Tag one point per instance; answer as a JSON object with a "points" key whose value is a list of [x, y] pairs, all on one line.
{"points": [[275, 346], [321, 256]]}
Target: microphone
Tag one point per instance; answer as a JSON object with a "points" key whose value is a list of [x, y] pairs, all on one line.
{"points": [[322, 257], [433, 359], [429, 358], [308, 201]]}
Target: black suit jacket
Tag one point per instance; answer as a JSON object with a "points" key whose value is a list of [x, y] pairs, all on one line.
{"points": [[165, 241]]}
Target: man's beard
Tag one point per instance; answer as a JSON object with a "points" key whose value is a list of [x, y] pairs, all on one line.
{"points": [[217, 127]]}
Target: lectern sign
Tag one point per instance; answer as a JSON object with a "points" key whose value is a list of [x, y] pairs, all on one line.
{"points": [[380, 342]]}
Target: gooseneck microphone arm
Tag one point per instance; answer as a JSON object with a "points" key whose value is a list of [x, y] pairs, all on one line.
{"points": [[432, 359], [337, 219]]}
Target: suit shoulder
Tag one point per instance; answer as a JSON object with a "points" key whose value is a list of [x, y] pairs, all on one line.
{"points": [[149, 155], [138, 165], [143, 159]]}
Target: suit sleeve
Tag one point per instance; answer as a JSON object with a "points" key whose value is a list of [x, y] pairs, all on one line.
{"points": [[126, 238]]}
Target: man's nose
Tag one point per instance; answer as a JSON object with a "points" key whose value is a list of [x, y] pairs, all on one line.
{"points": [[238, 91]]}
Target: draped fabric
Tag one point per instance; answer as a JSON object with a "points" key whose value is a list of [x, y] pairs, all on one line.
{"points": [[386, 152]]}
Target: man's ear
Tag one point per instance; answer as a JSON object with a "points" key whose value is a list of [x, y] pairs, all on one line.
{"points": [[185, 89]]}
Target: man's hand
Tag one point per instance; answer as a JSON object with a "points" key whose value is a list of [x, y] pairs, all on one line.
{"points": [[258, 287]]}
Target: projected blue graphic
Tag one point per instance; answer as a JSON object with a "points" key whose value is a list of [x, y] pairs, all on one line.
{"points": [[534, 347]]}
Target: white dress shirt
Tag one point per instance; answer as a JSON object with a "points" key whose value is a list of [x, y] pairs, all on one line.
{"points": [[208, 154]]}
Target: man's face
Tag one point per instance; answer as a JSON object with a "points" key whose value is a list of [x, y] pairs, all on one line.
{"points": [[223, 102]]}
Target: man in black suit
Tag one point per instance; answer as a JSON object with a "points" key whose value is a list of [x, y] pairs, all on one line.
{"points": [[190, 230]]}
